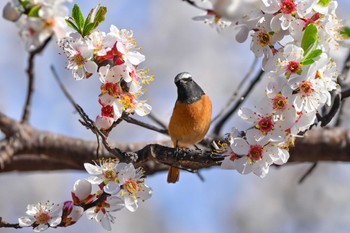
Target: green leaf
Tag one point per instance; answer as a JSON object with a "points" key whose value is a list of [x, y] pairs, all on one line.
{"points": [[310, 39], [34, 11], [324, 3], [24, 3], [100, 16], [346, 32], [310, 57], [308, 62], [71, 24], [78, 16], [91, 15], [88, 29], [94, 19]]}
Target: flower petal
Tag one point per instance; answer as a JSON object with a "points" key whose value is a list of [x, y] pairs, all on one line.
{"points": [[25, 221], [41, 227], [53, 222], [240, 146], [135, 58], [145, 193], [130, 203], [227, 164], [143, 109], [242, 165], [91, 66], [112, 188], [92, 169]]}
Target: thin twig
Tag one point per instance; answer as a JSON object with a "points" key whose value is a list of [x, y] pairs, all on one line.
{"points": [[87, 122], [63, 88], [334, 109], [30, 74], [156, 120], [307, 173], [342, 81], [131, 120], [224, 119], [235, 94], [193, 3]]}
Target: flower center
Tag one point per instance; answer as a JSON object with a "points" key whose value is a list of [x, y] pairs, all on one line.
{"points": [[264, 39], [132, 186], [42, 217], [128, 102], [293, 67], [50, 23], [265, 125], [288, 7], [306, 88], [107, 111], [280, 102], [112, 89], [110, 174], [255, 152], [78, 59]]}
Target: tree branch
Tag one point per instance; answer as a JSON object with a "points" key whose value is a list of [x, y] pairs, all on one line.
{"points": [[33, 150], [30, 74], [234, 108]]}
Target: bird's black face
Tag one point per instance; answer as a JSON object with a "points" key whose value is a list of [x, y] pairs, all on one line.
{"points": [[188, 90]]}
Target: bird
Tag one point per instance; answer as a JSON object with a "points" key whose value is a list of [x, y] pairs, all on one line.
{"points": [[191, 117]]}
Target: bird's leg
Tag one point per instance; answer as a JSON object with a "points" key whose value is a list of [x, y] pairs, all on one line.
{"points": [[197, 148], [177, 150]]}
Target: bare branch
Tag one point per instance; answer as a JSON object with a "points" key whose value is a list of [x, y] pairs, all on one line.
{"points": [[235, 94], [30, 74], [307, 173], [4, 224], [157, 121], [35, 150], [327, 145], [7, 125], [131, 120], [194, 4], [224, 119]]}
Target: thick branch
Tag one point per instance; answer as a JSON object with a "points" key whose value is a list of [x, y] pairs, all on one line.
{"points": [[7, 125], [322, 145], [31, 150]]}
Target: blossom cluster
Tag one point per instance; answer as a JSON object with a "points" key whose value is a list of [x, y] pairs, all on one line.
{"points": [[294, 38], [111, 187], [115, 58], [37, 20]]}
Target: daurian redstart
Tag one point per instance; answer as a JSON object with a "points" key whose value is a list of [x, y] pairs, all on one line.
{"points": [[191, 117]]}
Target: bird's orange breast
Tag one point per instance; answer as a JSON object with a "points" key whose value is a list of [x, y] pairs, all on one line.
{"points": [[190, 122]]}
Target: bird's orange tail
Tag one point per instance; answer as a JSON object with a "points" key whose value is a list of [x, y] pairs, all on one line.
{"points": [[173, 175]]}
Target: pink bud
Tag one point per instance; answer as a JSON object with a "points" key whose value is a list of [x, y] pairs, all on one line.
{"points": [[104, 122]]}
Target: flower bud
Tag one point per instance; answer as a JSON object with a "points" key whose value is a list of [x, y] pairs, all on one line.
{"points": [[81, 190], [104, 122], [11, 12], [71, 213]]}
